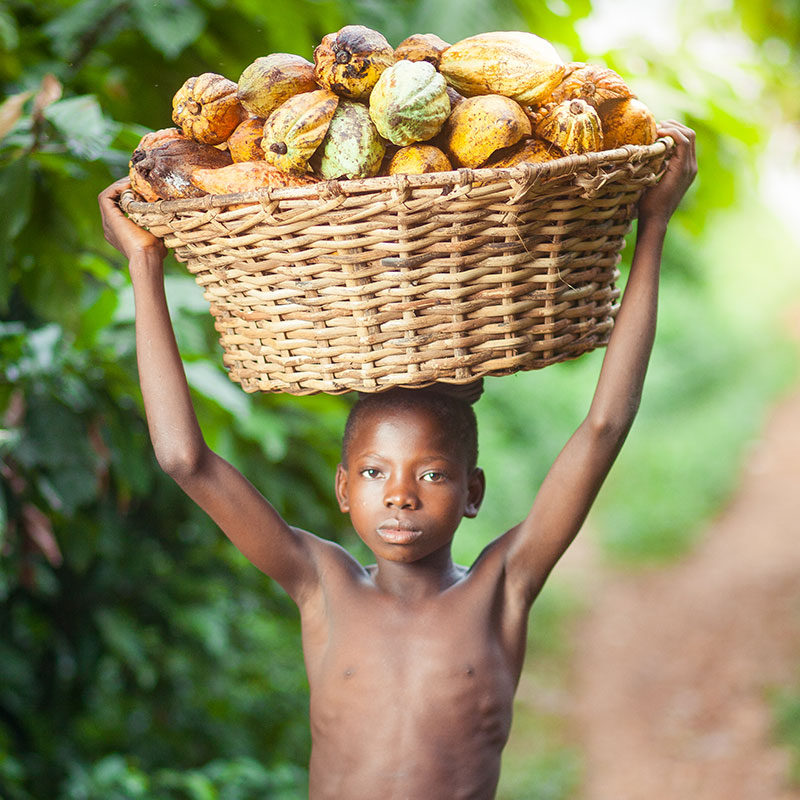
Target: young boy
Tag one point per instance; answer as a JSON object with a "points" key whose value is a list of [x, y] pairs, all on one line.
{"points": [[412, 662]]}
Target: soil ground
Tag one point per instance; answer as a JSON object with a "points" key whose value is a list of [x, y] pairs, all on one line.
{"points": [[673, 666]]}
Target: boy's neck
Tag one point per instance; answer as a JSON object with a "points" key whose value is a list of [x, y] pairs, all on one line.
{"points": [[418, 580]]}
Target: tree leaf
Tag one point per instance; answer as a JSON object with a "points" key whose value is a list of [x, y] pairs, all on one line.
{"points": [[80, 120], [11, 111], [16, 191], [40, 531], [49, 92], [169, 25], [205, 378], [80, 23], [9, 34]]}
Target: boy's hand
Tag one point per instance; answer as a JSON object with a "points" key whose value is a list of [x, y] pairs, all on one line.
{"points": [[661, 200], [121, 232]]}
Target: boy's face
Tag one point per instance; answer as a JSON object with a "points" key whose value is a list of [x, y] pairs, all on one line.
{"points": [[406, 485]]}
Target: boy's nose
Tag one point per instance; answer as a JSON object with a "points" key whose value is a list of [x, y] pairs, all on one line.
{"points": [[400, 496]]}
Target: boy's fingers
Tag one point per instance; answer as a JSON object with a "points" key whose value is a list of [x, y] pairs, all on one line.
{"points": [[684, 138], [109, 195]]}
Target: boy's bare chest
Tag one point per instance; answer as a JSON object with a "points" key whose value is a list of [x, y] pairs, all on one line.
{"points": [[371, 639], [395, 685]]}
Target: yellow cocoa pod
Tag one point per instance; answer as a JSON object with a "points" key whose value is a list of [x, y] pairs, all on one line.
{"points": [[244, 144], [627, 122], [573, 126], [350, 61], [532, 151], [206, 108], [592, 83], [478, 126], [417, 159], [516, 64], [273, 79], [421, 47], [296, 129]]}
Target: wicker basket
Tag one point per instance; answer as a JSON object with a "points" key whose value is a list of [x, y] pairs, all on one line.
{"points": [[409, 280]]}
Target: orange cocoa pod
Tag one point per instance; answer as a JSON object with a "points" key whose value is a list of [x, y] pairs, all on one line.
{"points": [[592, 83], [244, 143], [155, 138], [245, 177], [206, 108], [627, 122]]}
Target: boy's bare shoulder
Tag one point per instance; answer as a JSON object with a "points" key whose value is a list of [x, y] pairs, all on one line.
{"points": [[329, 554]]}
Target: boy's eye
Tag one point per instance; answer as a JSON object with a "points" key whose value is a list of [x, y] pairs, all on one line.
{"points": [[370, 473], [433, 476]]}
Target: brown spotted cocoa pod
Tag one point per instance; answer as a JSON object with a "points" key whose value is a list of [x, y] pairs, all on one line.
{"points": [[164, 172], [421, 47], [350, 61], [272, 80]]}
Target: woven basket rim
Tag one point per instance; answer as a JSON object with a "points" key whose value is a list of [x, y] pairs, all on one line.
{"points": [[527, 172]]}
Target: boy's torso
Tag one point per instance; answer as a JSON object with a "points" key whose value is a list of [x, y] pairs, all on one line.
{"points": [[410, 700]]}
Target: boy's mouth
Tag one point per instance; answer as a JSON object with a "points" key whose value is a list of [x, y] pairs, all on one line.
{"points": [[396, 531]]}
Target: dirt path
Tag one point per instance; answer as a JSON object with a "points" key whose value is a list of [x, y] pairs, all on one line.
{"points": [[673, 666]]}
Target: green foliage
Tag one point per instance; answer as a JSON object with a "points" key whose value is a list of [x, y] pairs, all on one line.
{"points": [[786, 708], [139, 654], [114, 778]]}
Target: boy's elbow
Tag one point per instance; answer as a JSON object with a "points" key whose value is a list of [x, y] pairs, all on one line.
{"points": [[613, 424], [180, 464]]}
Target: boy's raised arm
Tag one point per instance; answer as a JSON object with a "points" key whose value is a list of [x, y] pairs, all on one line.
{"points": [[223, 492], [571, 485]]}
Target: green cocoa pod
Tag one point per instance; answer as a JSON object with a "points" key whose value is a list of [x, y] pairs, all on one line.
{"points": [[352, 147], [409, 102]]}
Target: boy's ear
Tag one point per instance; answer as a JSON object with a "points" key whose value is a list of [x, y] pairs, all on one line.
{"points": [[475, 491], [341, 489]]}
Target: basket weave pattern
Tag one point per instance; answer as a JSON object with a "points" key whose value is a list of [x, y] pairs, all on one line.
{"points": [[408, 280]]}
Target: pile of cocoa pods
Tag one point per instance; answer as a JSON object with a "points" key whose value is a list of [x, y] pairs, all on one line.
{"points": [[363, 108]]}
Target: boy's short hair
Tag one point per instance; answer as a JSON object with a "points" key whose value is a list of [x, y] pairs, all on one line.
{"points": [[453, 413]]}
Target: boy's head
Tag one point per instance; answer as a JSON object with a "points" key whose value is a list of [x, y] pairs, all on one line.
{"points": [[453, 414], [408, 474]]}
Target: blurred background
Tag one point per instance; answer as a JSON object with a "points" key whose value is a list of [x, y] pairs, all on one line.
{"points": [[140, 656]]}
